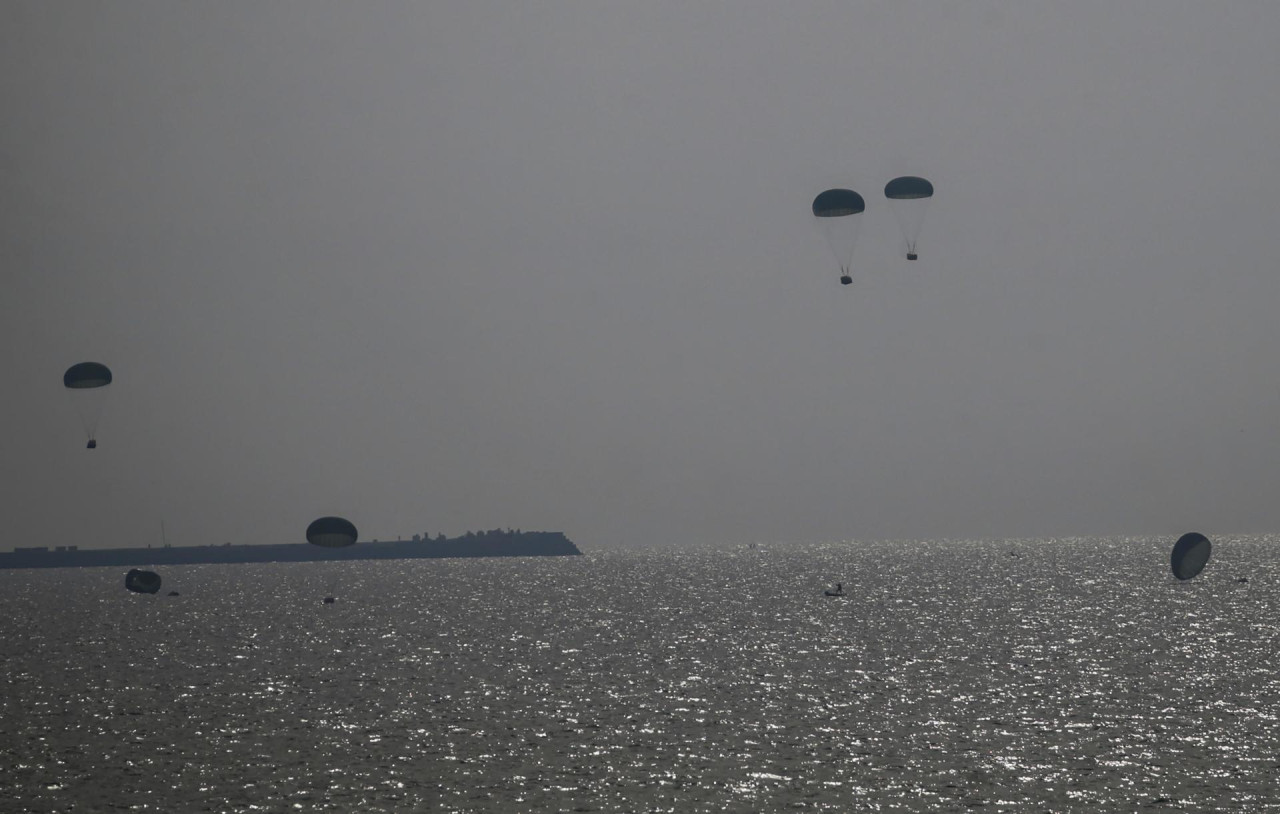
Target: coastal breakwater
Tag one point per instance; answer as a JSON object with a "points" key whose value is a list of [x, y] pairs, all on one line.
{"points": [[483, 544]]}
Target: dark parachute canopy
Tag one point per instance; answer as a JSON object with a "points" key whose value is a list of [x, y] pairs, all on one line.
{"points": [[87, 382], [908, 188], [909, 196], [1189, 555], [837, 211], [86, 375], [142, 582], [331, 532], [838, 203]]}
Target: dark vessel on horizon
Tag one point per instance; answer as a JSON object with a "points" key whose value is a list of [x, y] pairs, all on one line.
{"points": [[495, 543]]}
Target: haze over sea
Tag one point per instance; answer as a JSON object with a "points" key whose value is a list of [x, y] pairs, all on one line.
{"points": [[1015, 675]]}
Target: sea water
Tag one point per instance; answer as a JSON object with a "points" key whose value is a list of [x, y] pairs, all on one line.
{"points": [[1015, 675]]}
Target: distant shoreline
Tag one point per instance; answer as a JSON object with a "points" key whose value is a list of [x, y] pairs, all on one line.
{"points": [[483, 544]]}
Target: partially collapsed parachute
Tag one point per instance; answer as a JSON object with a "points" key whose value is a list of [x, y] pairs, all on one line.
{"points": [[142, 582], [1189, 555], [839, 216], [909, 196], [331, 532], [87, 382]]}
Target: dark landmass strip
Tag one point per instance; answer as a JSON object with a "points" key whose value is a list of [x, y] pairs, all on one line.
{"points": [[484, 544]]}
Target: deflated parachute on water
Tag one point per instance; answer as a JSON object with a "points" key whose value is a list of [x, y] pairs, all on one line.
{"points": [[331, 532], [142, 582], [1190, 554], [838, 212]]}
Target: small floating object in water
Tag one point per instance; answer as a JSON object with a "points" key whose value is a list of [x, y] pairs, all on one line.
{"points": [[174, 593], [838, 591], [1243, 579], [142, 582], [328, 600], [1189, 555]]}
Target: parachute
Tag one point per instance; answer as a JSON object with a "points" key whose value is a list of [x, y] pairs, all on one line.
{"points": [[1189, 555], [331, 532], [837, 211], [142, 582], [909, 196], [87, 382]]}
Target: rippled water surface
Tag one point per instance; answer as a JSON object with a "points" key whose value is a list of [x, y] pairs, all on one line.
{"points": [[1046, 675]]}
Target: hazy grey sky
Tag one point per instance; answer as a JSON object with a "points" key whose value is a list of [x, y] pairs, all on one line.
{"points": [[440, 266]]}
